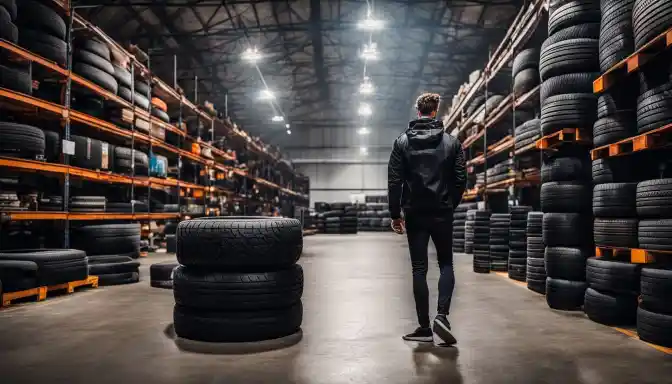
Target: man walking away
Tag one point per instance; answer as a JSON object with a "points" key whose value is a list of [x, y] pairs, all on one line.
{"points": [[428, 165]]}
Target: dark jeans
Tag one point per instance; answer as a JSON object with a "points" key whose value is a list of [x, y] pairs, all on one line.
{"points": [[419, 229]]}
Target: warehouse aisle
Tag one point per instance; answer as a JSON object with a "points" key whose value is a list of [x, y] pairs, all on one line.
{"points": [[357, 303]]}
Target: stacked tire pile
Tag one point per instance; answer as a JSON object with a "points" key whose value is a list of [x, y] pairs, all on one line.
{"points": [[320, 222], [499, 241], [518, 243], [87, 204], [332, 221], [161, 274], [469, 232], [349, 220], [525, 73], [30, 268], [567, 228], [17, 76], [108, 239], [613, 288], [171, 242], [615, 108], [91, 60], [22, 141], [91, 153], [654, 315], [114, 270], [536, 266], [500, 171], [130, 161], [459, 220], [527, 133], [238, 280], [481, 263]]}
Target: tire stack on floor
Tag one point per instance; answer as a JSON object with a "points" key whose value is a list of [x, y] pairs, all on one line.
{"points": [[349, 220], [499, 241], [238, 280], [108, 239], [161, 274], [332, 221], [525, 72], [654, 315], [567, 228], [30, 268], [459, 220], [469, 232], [481, 246], [613, 288], [536, 266], [114, 270], [171, 242], [518, 243]]}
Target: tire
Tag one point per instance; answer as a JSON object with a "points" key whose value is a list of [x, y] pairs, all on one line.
{"points": [[97, 76], [16, 78], [125, 93], [616, 35], [565, 169], [569, 56], [611, 170], [119, 279], [613, 276], [535, 248], [654, 109], [655, 235], [239, 242], [621, 233], [163, 116], [525, 59], [611, 129], [141, 101], [611, 103], [656, 287], [234, 291], [54, 266], [655, 328], [88, 152], [649, 19], [573, 13], [564, 294], [159, 104], [237, 326], [10, 7], [99, 269], [569, 83], [566, 263], [567, 229], [142, 88], [475, 104], [525, 81], [90, 58], [36, 15], [95, 46], [108, 239], [615, 200], [581, 31], [123, 77], [610, 308], [19, 140], [8, 30], [576, 110], [566, 197]]}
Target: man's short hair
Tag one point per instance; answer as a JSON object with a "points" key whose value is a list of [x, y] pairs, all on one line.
{"points": [[427, 103]]}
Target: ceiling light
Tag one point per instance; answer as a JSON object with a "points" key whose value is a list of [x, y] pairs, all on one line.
{"points": [[278, 118], [366, 88], [266, 94], [365, 110], [252, 55], [287, 126], [363, 150], [363, 131], [370, 24], [289, 131], [370, 52]]}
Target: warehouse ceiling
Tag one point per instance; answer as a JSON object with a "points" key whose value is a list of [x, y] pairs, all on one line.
{"points": [[311, 54]]}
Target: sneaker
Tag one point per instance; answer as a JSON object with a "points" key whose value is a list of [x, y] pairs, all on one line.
{"points": [[420, 334], [441, 331]]}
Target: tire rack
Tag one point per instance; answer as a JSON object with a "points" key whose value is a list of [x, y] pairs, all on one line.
{"points": [[518, 34], [67, 115]]}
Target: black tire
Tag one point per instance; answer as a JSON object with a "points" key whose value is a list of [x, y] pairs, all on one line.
{"points": [[654, 108], [8, 30], [567, 229], [54, 266], [10, 7], [566, 197], [475, 104], [569, 56], [525, 81], [525, 59], [573, 13], [142, 88], [246, 326], [91, 58], [649, 19], [656, 287], [566, 263], [119, 278], [88, 152], [105, 259], [564, 294], [581, 31], [19, 140], [99, 239], [128, 266], [610, 308], [616, 127], [611, 170], [235, 291], [141, 101], [614, 200], [16, 78], [123, 77], [36, 15], [97, 76], [163, 116], [125, 93], [655, 328], [239, 242], [565, 168], [45, 45], [613, 276], [655, 235], [576, 110], [610, 103], [654, 198], [569, 83], [620, 233], [95, 46]]}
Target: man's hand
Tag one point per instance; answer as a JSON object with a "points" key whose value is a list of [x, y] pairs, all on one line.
{"points": [[398, 226]]}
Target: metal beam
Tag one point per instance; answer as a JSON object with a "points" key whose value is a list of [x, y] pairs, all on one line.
{"points": [[318, 48]]}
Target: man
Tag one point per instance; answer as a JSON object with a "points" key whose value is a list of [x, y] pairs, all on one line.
{"points": [[428, 165]]}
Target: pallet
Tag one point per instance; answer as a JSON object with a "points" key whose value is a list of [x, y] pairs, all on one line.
{"points": [[565, 135], [633, 62], [635, 255], [657, 138], [70, 286], [9, 297]]}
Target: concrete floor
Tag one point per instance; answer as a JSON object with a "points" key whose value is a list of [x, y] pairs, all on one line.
{"points": [[357, 303]]}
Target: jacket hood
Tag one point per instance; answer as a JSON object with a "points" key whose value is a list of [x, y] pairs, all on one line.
{"points": [[425, 130]]}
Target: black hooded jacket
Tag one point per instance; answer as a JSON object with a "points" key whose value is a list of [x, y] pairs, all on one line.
{"points": [[428, 165]]}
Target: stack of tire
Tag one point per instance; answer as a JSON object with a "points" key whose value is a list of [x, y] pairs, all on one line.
{"points": [[121, 239], [238, 280], [17, 76], [87, 204], [320, 222], [8, 14], [349, 220], [615, 108], [525, 73], [499, 241], [161, 274], [91, 153], [30, 268], [128, 161], [469, 232], [171, 242], [385, 219], [42, 30], [481, 263], [654, 103], [567, 228], [459, 220], [500, 171], [22, 141], [332, 221], [536, 266], [114, 269], [654, 315], [527, 133], [613, 288], [518, 243], [91, 60]]}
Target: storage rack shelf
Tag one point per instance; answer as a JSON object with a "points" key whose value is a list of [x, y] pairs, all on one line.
{"points": [[563, 136], [657, 138], [85, 216], [633, 255]]}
